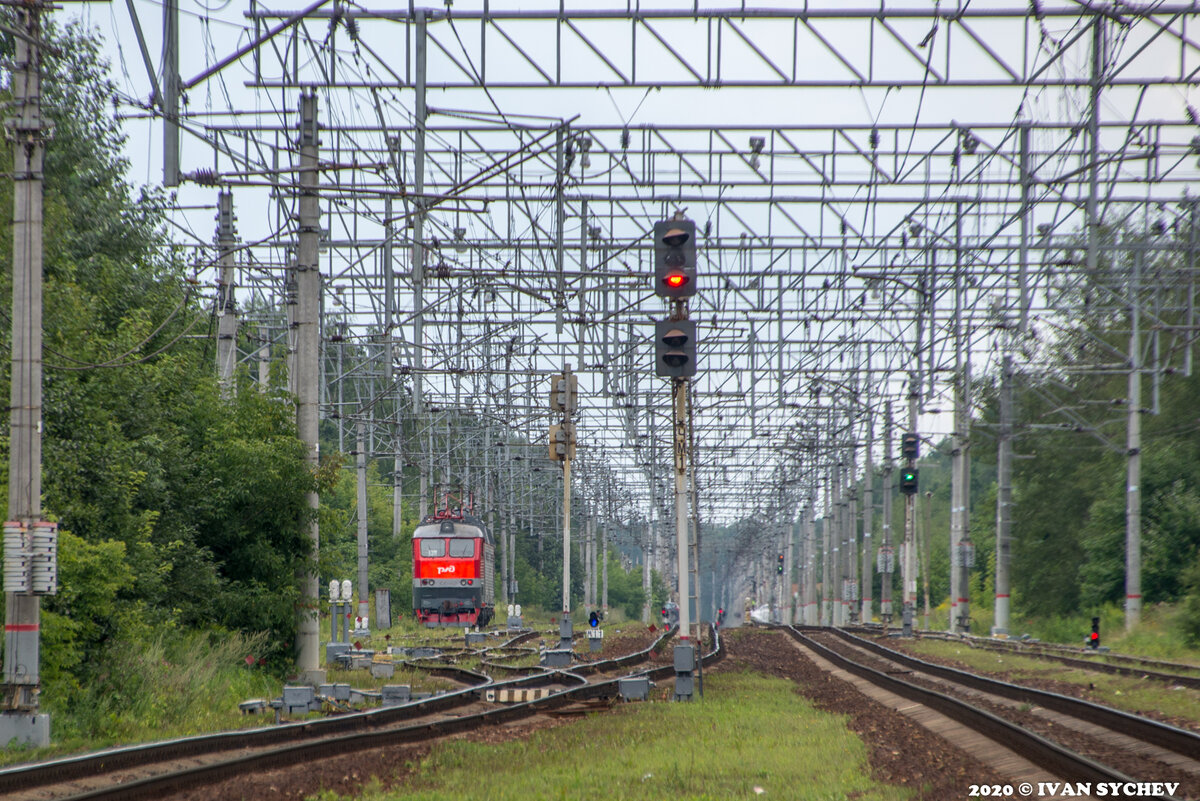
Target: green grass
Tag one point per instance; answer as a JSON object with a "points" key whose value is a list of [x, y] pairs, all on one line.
{"points": [[749, 731], [1121, 692], [1155, 637], [180, 684]]}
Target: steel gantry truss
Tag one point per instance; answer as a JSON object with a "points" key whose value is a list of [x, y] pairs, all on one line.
{"points": [[887, 197]]}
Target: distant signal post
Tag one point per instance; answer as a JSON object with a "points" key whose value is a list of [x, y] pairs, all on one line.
{"points": [[675, 358]]}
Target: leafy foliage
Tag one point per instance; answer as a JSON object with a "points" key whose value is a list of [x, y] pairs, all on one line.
{"points": [[178, 509]]}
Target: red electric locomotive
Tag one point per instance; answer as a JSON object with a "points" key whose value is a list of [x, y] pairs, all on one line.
{"points": [[454, 568]]}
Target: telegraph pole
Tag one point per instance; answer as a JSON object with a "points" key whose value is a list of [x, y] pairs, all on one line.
{"points": [[1133, 451], [961, 550], [30, 545], [389, 366], [646, 559], [679, 425], [887, 553], [563, 391], [418, 252], [852, 593], [227, 320], [909, 577], [307, 367], [868, 515], [812, 609], [361, 474], [694, 497], [827, 556], [171, 92], [1004, 500], [786, 594]]}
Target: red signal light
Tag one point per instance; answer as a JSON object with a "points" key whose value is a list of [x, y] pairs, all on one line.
{"points": [[675, 280], [1095, 635]]}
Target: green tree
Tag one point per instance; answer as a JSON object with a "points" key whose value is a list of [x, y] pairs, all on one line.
{"points": [[177, 507]]}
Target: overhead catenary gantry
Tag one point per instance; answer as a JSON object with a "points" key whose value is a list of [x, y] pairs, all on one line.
{"points": [[881, 193]]}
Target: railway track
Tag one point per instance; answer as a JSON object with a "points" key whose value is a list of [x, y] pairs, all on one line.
{"points": [[1100, 662], [1070, 739], [157, 770]]}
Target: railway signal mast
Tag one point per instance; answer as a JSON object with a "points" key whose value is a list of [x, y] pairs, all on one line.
{"points": [[910, 451], [675, 358]]}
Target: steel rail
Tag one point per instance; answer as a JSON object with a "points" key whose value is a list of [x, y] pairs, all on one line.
{"points": [[1163, 735], [189, 778], [1059, 761], [90, 765], [1049, 652]]}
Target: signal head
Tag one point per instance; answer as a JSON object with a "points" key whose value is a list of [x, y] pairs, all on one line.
{"points": [[677, 236], [675, 259], [675, 348]]}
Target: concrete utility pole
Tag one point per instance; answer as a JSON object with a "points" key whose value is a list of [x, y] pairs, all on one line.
{"points": [[961, 551], [170, 99], [646, 559], [586, 544], [694, 499], [786, 579], [562, 448], [19, 718], [306, 369], [361, 472], [868, 516], [1133, 451], [827, 557], [812, 609], [389, 366], [852, 593], [679, 389], [227, 319], [841, 545], [604, 571], [909, 572], [887, 553], [418, 253], [1004, 454]]}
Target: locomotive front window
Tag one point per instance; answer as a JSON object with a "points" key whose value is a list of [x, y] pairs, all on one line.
{"points": [[461, 548], [432, 547]]}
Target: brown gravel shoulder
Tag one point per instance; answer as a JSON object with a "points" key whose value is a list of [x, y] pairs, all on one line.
{"points": [[900, 751]]}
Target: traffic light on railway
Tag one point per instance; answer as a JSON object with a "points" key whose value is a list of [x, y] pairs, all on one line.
{"points": [[1094, 637], [779, 566], [908, 480], [675, 259], [594, 619], [675, 348], [564, 389], [562, 442], [910, 445]]}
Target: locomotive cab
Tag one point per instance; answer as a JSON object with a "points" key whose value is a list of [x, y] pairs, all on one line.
{"points": [[454, 562]]}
